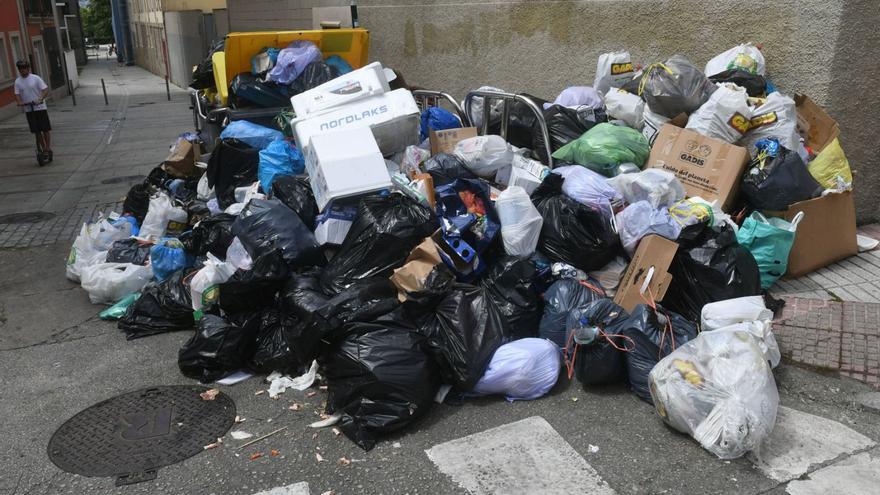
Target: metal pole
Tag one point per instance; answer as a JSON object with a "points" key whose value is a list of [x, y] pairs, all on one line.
{"points": [[167, 88], [70, 90], [104, 88]]}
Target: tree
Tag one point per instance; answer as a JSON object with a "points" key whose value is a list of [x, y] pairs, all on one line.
{"points": [[96, 21]]}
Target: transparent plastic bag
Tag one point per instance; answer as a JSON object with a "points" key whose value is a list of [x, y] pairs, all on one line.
{"points": [[484, 155], [640, 219], [524, 369], [625, 106], [92, 244], [775, 118], [674, 87], [719, 389], [724, 116], [109, 282], [578, 96], [747, 314], [604, 147], [520, 221], [204, 286], [658, 187], [161, 215], [293, 60], [589, 188], [746, 57]]}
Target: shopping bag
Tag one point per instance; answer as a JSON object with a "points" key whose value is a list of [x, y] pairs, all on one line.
{"points": [[769, 240]]}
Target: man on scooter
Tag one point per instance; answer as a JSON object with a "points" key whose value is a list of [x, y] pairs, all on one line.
{"points": [[30, 93]]}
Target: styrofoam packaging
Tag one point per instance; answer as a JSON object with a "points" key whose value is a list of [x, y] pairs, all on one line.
{"points": [[393, 117], [333, 224], [344, 164], [369, 80]]}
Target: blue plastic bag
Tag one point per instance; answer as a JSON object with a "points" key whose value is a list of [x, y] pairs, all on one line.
{"points": [[292, 61], [436, 118], [260, 60], [135, 228], [255, 136], [770, 241], [524, 369], [339, 63], [279, 158], [167, 257]]}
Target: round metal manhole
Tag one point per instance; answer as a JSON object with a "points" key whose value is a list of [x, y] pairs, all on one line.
{"points": [[133, 434], [124, 178], [26, 217]]}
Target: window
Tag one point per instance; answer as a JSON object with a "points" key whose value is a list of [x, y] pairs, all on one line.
{"points": [[6, 72], [40, 67], [15, 44]]}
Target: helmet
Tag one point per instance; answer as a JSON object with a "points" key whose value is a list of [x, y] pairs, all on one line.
{"points": [[22, 64]]}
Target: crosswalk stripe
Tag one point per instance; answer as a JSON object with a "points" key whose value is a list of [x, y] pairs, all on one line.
{"points": [[527, 457]]}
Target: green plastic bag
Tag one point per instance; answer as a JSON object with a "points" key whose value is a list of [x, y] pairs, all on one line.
{"points": [[116, 311], [606, 146], [769, 241]]}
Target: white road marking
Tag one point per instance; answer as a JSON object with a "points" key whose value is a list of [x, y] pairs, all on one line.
{"points": [[800, 440], [858, 475], [301, 488], [527, 457]]}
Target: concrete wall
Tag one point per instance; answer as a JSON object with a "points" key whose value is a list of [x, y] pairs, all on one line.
{"points": [[185, 32], [206, 6]]}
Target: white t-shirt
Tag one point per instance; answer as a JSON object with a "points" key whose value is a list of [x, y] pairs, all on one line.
{"points": [[30, 89]]}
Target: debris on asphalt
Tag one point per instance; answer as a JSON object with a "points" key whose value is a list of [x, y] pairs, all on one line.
{"points": [[241, 435], [213, 445], [319, 457], [209, 394], [279, 383], [267, 435]]}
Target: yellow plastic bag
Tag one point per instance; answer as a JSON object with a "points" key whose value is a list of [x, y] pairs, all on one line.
{"points": [[830, 164]]}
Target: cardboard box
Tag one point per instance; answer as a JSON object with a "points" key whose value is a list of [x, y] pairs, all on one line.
{"points": [[369, 80], [706, 167], [444, 141], [653, 252], [181, 160], [333, 224], [817, 127], [826, 234], [345, 164]]}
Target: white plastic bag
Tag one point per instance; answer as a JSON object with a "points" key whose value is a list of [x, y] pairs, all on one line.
{"points": [[719, 389], [724, 116], [651, 124], [524, 369], [587, 187], [92, 243], [238, 256], [776, 118], [609, 276], [109, 282], [613, 70], [640, 219], [204, 289], [520, 221], [576, 97], [625, 106], [484, 155], [160, 214], [658, 187], [745, 57], [744, 314], [203, 191]]}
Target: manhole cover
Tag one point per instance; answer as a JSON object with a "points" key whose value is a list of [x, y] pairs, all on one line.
{"points": [[26, 217], [124, 178], [134, 434]]}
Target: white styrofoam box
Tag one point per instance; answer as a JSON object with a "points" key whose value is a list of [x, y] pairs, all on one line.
{"points": [[333, 224], [393, 117], [345, 163], [367, 81]]}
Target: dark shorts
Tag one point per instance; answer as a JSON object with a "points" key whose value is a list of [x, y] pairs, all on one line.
{"points": [[38, 121]]}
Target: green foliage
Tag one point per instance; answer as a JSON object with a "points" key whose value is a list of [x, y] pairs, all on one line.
{"points": [[96, 21]]}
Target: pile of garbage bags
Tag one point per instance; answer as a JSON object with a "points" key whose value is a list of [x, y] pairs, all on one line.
{"points": [[475, 266]]}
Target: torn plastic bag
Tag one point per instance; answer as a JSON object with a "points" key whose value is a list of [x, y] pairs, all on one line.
{"points": [[525, 369], [831, 168], [675, 87], [640, 219], [625, 106], [604, 147], [437, 119], [109, 282], [564, 125], [725, 115], [296, 193], [204, 285], [279, 158], [588, 188], [776, 119], [211, 235], [314, 75], [232, 164], [613, 70], [467, 213], [446, 168], [118, 309], [254, 135], [92, 244], [520, 221], [249, 290], [384, 232], [162, 307], [510, 283], [770, 241], [746, 57], [246, 90], [754, 84], [709, 266], [748, 314], [562, 297], [268, 224], [217, 349], [293, 60], [719, 389], [777, 178], [137, 202], [129, 250], [168, 256], [484, 155], [380, 379], [600, 361], [661, 189], [573, 233], [653, 334]]}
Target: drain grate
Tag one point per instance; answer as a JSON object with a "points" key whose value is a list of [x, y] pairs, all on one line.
{"points": [[132, 435], [124, 178], [26, 217]]}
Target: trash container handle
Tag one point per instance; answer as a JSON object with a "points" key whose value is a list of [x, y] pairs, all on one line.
{"points": [[507, 98], [427, 98]]}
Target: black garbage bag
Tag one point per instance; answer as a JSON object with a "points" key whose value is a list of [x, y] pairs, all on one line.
{"points": [[250, 290], [217, 349], [510, 282], [197, 210], [265, 225], [384, 232], [777, 182], [232, 164], [296, 193], [302, 296], [137, 202], [272, 348], [573, 233], [159, 179], [129, 250], [709, 266], [562, 297], [602, 362], [675, 87], [521, 122], [211, 235], [380, 379], [563, 125], [314, 75], [654, 335], [754, 84], [163, 307], [445, 168], [248, 91], [203, 74]]}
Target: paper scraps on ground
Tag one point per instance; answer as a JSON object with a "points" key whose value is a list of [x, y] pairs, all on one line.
{"points": [[332, 420], [241, 435], [209, 394], [279, 383], [237, 377]]}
